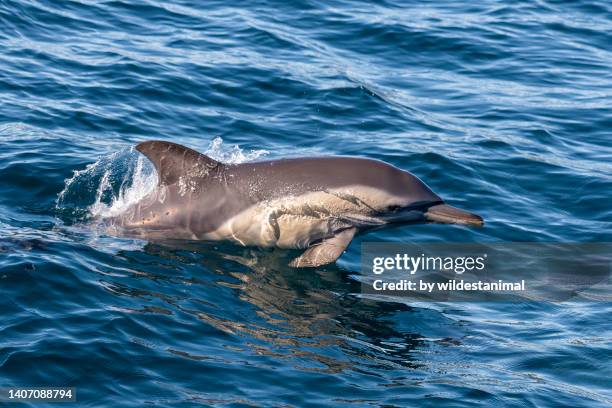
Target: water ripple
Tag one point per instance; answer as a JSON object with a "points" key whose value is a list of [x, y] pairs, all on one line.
{"points": [[504, 108]]}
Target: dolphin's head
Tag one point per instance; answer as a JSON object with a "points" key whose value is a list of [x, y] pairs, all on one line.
{"points": [[408, 199]]}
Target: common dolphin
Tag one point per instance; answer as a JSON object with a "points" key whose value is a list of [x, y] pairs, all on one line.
{"points": [[317, 204]]}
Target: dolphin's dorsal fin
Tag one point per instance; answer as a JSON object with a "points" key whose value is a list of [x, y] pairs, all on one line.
{"points": [[172, 161]]}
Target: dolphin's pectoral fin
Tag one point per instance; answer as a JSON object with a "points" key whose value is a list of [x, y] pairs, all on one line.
{"points": [[172, 161], [327, 251]]}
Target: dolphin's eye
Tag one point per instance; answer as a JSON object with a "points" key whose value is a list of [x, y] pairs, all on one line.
{"points": [[394, 208]]}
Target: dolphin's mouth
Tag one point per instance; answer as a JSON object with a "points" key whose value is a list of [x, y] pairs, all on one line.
{"points": [[446, 214]]}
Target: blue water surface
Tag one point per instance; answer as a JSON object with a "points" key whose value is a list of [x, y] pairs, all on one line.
{"points": [[502, 107]]}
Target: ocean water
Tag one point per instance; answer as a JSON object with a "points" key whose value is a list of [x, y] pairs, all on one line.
{"points": [[502, 107]]}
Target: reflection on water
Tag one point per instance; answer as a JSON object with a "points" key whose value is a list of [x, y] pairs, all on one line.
{"points": [[316, 318]]}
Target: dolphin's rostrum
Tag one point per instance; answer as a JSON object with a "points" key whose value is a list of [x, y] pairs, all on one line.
{"points": [[315, 204]]}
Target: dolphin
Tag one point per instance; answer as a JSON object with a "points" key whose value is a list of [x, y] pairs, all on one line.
{"points": [[316, 204]]}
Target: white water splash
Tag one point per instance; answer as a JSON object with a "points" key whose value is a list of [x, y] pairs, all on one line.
{"points": [[232, 154], [111, 185], [77, 175], [131, 191]]}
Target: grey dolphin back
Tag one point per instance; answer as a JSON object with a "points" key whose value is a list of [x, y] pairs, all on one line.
{"points": [[172, 161]]}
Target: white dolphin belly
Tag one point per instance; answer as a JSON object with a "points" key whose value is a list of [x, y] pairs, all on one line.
{"points": [[293, 222]]}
